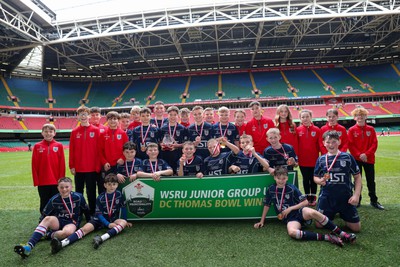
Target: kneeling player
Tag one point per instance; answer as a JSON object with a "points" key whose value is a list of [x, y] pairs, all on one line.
{"points": [[291, 207], [60, 218], [108, 206]]}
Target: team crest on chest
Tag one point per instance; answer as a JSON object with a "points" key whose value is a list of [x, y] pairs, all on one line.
{"points": [[91, 134], [343, 163], [229, 132], [152, 134], [119, 136], [55, 149], [265, 126], [178, 133], [78, 135], [287, 196], [313, 134], [368, 133], [197, 168], [206, 132]]}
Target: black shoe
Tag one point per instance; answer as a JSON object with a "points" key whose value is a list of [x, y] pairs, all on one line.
{"points": [[377, 205], [97, 241], [23, 250], [55, 245]]}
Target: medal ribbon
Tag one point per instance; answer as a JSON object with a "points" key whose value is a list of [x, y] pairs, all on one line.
{"points": [[329, 168], [169, 129], [201, 129], [110, 209], [70, 212], [280, 203], [156, 121], [155, 166], [216, 149], [220, 130], [189, 161], [284, 155], [126, 168], [145, 136]]}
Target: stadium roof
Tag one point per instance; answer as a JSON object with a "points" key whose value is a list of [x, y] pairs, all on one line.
{"points": [[224, 35]]}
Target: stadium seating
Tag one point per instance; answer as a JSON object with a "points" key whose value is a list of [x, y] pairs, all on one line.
{"points": [[140, 90], [339, 80], [203, 88], [102, 94], [306, 83], [32, 93], [169, 90], [271, 84], [236, 86], [68, 94], [9, 123]]}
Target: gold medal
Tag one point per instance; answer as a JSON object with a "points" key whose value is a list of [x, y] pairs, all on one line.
{"points": [[222, 145], [280, 216], [327, 176]]}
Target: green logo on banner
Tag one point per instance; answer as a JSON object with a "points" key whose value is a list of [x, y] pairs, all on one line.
{"points": [[218, 197]]}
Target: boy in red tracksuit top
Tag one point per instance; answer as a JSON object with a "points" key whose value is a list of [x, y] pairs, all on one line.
{"points": [[111, 144], [363, 144], [258, 127], [48, 165], [332, 116], [308, 136], [95, 117], [84, 162]]}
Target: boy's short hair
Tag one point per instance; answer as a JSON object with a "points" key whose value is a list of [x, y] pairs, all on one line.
{"points": [[223, 109], [245, 136], [82, 109], [48, 126], [208, 109], [129, 146], [95, 110], [331, 135], [135, 109], [173, 108], [359, 111], [197, 108], [111, 178], [112, 114], [273, 131], [280, 171], [159, 103], [332, 110], [212, 140], [151, 145], [125, 116], [254, 103], [145, 110], [64, 180], [184, 111], [240, 110], [188, 143], [305, 111]]}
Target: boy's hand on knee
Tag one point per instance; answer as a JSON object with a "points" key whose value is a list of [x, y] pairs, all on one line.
{"points": [[258, 225]]}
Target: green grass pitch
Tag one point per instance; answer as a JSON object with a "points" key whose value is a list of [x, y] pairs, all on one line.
{"points": [[204, 243]]}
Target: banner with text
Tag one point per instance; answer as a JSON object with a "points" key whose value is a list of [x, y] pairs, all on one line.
{"points": [[217, 197]]}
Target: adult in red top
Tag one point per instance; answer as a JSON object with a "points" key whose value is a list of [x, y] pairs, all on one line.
{"points": [[308, 136], [111, 144], [84, 162], [332, 117], [48, 165], [284, 122], [363, 144], [258, 126]]}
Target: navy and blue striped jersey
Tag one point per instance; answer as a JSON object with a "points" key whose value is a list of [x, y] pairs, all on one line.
{"points": [[247, 164], [277, 158], [206, 134], [193, 167], [104, 206], [340, 175], [56, 207], [218, 165]]}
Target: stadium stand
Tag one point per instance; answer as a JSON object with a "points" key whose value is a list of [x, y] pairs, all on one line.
{"points": [[68, 94], [140, 90], [271, 84], [236, 86], [102, 94], [339, 80], [32, 93], [9, 123], [203, 88], [306, 83], [169, 90]]}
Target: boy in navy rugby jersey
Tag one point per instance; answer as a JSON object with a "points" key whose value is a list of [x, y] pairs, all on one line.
{"points": [[154, 167], [333, 173], [224, 128], [108, 207], [248, 160], [129, 169], [172, 136], [61, 216], [218, 162], [200, 132], [279, 154], [190, 164], [144, 134], [291, 207]]}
